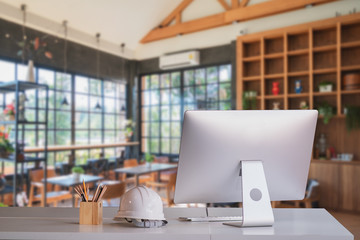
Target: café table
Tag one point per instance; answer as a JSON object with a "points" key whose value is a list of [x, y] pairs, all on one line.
{"points": [[71, 181], [144, 169]]}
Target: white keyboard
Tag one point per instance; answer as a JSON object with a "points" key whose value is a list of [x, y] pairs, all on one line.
{"points": [[211, 219]]}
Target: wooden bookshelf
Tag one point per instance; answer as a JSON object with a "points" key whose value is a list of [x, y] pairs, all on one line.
{"points": [[321, 51]]}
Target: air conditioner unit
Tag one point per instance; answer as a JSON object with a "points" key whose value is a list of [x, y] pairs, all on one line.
{"points": [[179, 60]]}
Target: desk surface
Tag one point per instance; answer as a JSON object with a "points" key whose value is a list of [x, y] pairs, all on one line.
{"points": [[62, 223]]}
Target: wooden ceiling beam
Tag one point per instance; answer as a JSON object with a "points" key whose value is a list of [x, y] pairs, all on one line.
{"points": [[239, 14], [224, 4], [175, 12]]}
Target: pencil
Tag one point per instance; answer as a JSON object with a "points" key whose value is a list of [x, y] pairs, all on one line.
{"points": [[86, 196]]}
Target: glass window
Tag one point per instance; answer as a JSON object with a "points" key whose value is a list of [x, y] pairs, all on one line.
{"points": [[164, 98]]}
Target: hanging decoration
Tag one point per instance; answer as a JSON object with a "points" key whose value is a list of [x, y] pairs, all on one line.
{"points": [[98, 106], [64, 102]]}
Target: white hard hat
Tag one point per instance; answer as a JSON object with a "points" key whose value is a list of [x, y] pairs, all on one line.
{"points": [[141, 203]]}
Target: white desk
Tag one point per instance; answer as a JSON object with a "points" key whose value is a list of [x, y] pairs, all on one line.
{"points": [[62, 223]]}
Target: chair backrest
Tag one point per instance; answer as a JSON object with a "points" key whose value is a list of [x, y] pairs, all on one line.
{"points": [[36, 175], [114, 190], [172, 179], [131, 162], [312, 188], [98, 166]]}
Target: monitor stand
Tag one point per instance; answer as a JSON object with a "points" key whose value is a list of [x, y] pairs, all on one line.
{"points": [[256, 209]]}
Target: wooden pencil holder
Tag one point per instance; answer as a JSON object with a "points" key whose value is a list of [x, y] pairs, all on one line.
{"points": [[91, 213]]}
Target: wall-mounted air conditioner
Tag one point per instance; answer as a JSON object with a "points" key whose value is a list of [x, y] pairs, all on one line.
{"points": [[179, 60]]}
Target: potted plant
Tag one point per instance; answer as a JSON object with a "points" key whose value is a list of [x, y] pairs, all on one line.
{"points": [[77, 171], [249, 100], [326, 111], [129, 129], [352, 117], [6, 147], [325, 86], [149, 158], [9, 112]]}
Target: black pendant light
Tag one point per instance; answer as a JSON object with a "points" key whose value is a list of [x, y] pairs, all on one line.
{"points": [[64, 102]]}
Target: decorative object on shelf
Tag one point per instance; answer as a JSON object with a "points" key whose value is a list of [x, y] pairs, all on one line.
{"points": [[326, 111], [352, 117], [149, 158], [77, 171], [275, 88], [22, 100], [321, 147], [31, 49], [64, 102], [303, 105], [276, 105], [6, 147], [128, 129], [298, 87], [325, 87], [347, 157], [97, 106], [249, 100], [9, 112], [351, 81]]}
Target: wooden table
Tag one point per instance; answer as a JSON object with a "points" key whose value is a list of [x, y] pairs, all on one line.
{"points": [[72, 181], [143, 169]]}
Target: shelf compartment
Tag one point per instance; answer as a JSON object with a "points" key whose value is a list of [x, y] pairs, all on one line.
{"points": [[269, 102], [272, 76], [274, 55], [324, 48], [298, 52], [251, 49], [274, 66], [269, 85], [295, 103], [324, 37], [328, 77], [351, 44], [350, 56], [274, 45], [304, 84], [324, 60], [251, 69], [349, 100], [252, 86], [298, 41], [298, 63], [350, 32]]}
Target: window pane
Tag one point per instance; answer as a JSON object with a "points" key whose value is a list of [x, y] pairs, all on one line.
{"points": [[145, 82], [200, 76], [81, 84], [155, 97], [165, 80], [165, 145], [47, 77], [165, 129], [82, 137], [81, 156], [42, 99], [30, 115], [81, 120], [225, 91], [200, 92], [63, 81], [165, 113], [189, 94], [175, 129], [22, 71], [154, 129], [165, 96], [62, 157], [7, 70], [109, 136], [154, 81], [145, 98], [189, 78], [81, 102], [154, 145], [145, 129], [109, 121], [154, 113], [95, 86], [175, 79], [145, 114], [63, 137], [30, 137], [95, 121], [175, 113], [175, 146], [94, 103], [225, 105], [225, 73], [212, 75], [109, 105], [212, 92], [63, 120], [95, 136], [175, 96], [109, 89], [60, 98]]}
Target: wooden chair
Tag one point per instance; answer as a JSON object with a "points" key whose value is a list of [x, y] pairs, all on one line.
{"points": [[36, 184], [115, 189], [169, 187], [165, 175], [98, 167], [142, 178]]}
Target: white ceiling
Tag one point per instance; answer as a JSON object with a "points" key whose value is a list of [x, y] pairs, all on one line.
{"points": [[118, 21]]}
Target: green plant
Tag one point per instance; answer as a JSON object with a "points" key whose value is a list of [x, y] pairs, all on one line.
{"points": [[325, 83], [129, 126], [5, 145], [3, 205], [149, 157], [326, 111], [79, 170], [352, 117], [249, 100]]}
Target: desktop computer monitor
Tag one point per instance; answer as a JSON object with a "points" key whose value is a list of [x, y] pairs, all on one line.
{"points": [[213, 144]]}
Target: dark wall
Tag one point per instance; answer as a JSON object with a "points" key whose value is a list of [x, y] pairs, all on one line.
{"points": [[81, 59]]}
